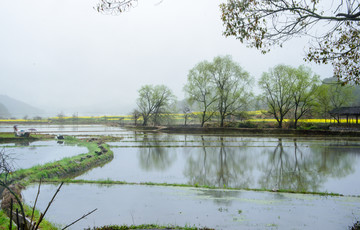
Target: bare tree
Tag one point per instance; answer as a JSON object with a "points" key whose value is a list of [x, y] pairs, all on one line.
{"points": [[136, 115]]}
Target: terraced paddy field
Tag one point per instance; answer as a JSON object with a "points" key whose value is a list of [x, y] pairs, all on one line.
{"points": [[221, 181]]}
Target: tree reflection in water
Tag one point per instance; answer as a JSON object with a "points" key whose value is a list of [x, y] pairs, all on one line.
{"points": [[302, 168], [153, 156], [292, 164], [220, 166]]}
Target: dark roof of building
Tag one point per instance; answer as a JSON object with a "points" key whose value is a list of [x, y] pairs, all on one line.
{"points": [[346, 111]]}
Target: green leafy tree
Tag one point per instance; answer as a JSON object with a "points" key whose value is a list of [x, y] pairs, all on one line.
{"points": [[333, 95], [233, 86], [305, 89], [154, 100], [221, 85], [278, 91], [201, 91], [323, 103], [262, 24]]}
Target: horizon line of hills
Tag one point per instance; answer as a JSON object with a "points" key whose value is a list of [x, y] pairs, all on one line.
{"points": [[13, 108]]}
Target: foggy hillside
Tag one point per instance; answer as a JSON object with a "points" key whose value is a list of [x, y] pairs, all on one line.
{"points": [[10, 107]]}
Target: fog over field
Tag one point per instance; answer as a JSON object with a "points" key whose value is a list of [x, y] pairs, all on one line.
{"points": [[64, 56]]}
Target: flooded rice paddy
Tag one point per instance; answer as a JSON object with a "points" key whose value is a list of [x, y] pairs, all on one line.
{"points": [[301, 164], [28, 154], [219, 209], [330, 164], [74, 130]]}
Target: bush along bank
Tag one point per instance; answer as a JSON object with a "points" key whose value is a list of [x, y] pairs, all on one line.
{"points": [[98, 154]]}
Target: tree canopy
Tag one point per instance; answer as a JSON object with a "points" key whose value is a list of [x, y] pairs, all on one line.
{"points": [[332, 27], [154, 100], [200, 90], [332, 95], [221, 85], [278, 91]]}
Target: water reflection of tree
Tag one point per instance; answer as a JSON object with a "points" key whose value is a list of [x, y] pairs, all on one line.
{"points": [[294, 168], [153, 156], [219, 166]]}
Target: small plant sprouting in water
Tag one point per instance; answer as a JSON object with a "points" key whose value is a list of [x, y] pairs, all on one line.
{"points": [[221, 209]]}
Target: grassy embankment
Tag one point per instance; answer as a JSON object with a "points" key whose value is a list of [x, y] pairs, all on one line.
{"points": [[10, 137], [98, 154]]}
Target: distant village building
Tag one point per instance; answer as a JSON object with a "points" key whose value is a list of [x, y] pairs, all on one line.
{"points": [[348, 112]]}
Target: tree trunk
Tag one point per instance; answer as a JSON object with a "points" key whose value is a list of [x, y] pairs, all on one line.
{"points": [[145, 121], [203, 119], [221, 122]]}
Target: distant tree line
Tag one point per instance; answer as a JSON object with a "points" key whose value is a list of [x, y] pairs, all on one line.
{"points": [[221, 89]]}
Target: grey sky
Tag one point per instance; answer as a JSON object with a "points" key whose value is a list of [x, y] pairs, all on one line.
{"points": [[65, 56]]}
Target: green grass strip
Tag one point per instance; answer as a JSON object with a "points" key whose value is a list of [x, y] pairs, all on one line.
{"points": [[69, 166], [147, 226], [110, 182], [4, 222]]}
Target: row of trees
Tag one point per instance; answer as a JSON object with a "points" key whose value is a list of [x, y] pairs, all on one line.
{"points": [[222, 88], [297, 91], [286, 88]]}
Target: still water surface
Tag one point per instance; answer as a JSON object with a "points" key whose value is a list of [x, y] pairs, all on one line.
{"points": [[28, 154], [219, 209], [73, 130], [301, 164]]}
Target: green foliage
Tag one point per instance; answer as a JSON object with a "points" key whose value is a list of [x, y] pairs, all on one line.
{"points": [[305, 89], [44, 225], [201, 91], [332, 95], [4, 222], [64, 167], [153, 101], [278, 86], [287, 89], [221, 85], [262, 24], [247, 124]]}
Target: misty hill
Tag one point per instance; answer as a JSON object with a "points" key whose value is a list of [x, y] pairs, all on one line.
{"points": [[4, 113], [10, 107]]}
